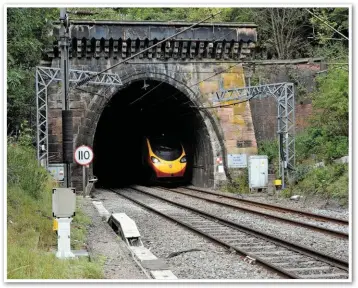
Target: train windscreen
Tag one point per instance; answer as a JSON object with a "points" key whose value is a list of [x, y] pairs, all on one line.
{"points": [[166, 148]]}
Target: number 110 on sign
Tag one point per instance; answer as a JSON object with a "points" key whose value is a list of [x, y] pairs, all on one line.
{"points": [[83, 155]]}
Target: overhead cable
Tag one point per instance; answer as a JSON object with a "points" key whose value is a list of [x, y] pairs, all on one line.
{"points": [[319, 18]]}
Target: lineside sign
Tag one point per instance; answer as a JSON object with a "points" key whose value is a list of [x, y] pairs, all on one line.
{"points": [[84, 155], [237, 160]]}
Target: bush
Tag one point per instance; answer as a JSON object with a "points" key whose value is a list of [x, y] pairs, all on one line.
{"points": [[239, 184], [301, 171], [30, 240], [24, 171], [327, 182]]}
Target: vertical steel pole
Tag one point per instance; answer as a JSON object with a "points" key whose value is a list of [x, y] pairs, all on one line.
{"points": [[64, 223], [293, 129], [84, 180], [64, 44], [37, 116]]}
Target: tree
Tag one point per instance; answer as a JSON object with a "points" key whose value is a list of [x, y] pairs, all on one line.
{"points": [[334, 17], [329, 131], [27, 35], [282, 31]]}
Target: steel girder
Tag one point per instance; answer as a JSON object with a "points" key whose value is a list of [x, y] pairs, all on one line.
{"points": [[44, 77], [285, 97]]}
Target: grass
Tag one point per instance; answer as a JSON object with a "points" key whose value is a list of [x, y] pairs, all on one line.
{"points": [[31, 243], [328, 183], [239, 183]]}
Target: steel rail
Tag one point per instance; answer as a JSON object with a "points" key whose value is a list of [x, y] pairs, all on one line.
{"points": [[274, 207], [288, 220], [333, 261], [242, 252]]}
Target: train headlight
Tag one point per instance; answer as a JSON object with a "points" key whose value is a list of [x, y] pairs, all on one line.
{"points": [[183, 159], [154, 160]]}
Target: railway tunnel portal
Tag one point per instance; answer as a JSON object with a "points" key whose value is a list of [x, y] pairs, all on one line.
{"points": [[167, 87]]}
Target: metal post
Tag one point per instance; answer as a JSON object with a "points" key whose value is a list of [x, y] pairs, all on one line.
{"points": [[64, 223], [37, 118], [64, 240], [84, 180], [64, 44]]}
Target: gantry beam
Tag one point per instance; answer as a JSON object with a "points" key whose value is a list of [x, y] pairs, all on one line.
{"points": [[44, 77], [285, 97]]}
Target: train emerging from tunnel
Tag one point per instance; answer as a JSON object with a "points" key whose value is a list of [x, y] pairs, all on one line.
{"points": [[164, 159]]}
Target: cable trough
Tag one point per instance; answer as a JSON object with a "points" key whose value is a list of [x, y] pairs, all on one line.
{"points": [[290, 260]]}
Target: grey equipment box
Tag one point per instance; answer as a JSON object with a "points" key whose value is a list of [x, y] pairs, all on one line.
{"points": [[63, 202], [258, 172]]}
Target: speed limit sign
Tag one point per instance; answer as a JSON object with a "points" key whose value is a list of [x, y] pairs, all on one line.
{"points": [[83, 155]]}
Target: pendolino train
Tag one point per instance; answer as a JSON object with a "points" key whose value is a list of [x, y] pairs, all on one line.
{"points": [[164, 159]]}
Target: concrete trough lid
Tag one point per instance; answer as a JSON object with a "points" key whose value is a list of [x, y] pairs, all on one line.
{"points": [[101, 210], [143, 253], [128, 226], [163, 275], [158, 267], [154, 265]]}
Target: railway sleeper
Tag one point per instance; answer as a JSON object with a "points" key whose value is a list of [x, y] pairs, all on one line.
{"points": [[333, 276], [310, 269]]}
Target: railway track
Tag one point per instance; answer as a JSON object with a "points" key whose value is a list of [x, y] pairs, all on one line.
{"points": [[306, 219], [290, 260]]}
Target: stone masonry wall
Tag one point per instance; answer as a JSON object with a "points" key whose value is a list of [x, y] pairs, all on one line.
{"points": [[234, 132], [264, 111]]}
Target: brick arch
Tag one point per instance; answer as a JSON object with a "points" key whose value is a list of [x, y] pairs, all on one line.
{"points": [[213, 133]]}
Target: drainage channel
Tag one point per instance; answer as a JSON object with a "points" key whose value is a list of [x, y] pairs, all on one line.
{"points": [[288, 259]]}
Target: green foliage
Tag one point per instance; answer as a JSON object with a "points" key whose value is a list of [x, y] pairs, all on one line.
{"points": [[169, 14], [23, 170], [327, 136], [27, 36], [269, 148], [281, 31], [335, 17], [301, 171], [330, 181], [325, 139], [239, 184], [336, 52], [30, 240], [331, 100], [286, 193]]}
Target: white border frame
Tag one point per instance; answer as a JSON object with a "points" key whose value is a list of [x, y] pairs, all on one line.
{"points": [[186, 3]]}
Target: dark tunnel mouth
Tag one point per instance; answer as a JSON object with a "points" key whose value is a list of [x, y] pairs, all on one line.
{"points": [[137, 111]]}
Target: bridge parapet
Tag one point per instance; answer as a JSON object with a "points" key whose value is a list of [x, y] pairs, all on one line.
{"points": [[119, 40]]}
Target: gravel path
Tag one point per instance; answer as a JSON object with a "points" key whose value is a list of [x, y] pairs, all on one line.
{"points": [[285, 214], [334, 246], [164, 237], [103, 242]]}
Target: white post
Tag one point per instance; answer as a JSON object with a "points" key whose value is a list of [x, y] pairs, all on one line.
{"points": [[64, 240], [84, 180]]}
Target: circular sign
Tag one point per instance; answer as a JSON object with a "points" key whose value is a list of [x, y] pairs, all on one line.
{"points": [[84, 155]]}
